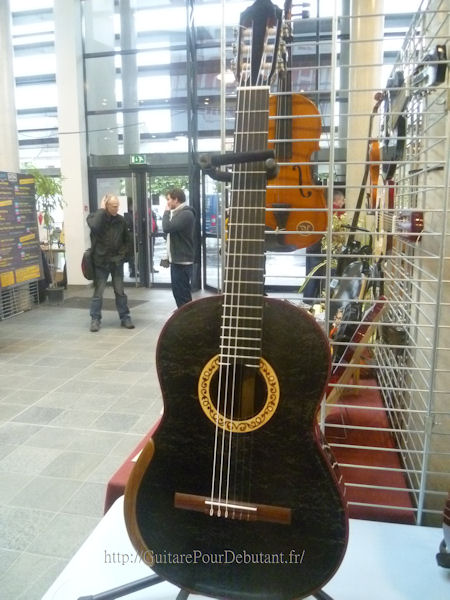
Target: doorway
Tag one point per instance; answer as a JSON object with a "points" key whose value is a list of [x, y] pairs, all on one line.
{"points": [[141, 192], [157, 185]]}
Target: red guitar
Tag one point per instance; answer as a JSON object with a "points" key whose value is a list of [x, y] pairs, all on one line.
{"points": [[343, 355]]}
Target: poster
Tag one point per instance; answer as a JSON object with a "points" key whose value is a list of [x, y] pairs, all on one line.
{"points": [[20, 251]]}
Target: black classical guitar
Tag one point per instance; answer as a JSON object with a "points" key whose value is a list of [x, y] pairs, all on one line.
{"points": [[234, 496]]}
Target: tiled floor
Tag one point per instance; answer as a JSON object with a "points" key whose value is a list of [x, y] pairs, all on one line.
{"points": [[73, 404]]}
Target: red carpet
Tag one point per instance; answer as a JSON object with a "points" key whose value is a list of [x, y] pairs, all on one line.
{"points": [[366, 458]]}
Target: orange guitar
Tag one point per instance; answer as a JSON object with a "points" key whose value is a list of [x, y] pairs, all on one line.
{"points": [[295, 206]]}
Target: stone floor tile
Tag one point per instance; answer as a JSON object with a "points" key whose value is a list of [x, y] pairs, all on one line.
{"points": [[46, 493], [73, 465], [62, 535]]}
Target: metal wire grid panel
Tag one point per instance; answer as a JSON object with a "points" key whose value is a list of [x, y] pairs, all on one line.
{"points": [[386, 414], [414, 373], [407, 353], [18, 299]]}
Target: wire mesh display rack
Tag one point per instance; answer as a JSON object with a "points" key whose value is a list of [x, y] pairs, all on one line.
{"points": [[384, 138], [18, 299], [405, 358], [413, 375]]}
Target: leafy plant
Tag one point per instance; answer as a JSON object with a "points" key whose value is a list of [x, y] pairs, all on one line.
{"points": [[49, 198], [161, 183]]}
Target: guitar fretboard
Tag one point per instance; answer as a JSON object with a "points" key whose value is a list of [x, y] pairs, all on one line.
{"points": [[244, 265]]}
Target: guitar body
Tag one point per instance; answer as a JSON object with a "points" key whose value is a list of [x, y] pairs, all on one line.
{"points": [[279, 454]]}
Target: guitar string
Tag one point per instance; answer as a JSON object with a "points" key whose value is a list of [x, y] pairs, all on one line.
{"points": [[245, 144], [227, 382], [238, 222], [248, 215], [224, 358], [251, 178]]}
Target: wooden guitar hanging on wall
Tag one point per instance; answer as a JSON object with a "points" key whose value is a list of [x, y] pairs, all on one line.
{"points": [[296, 207], [234, 496]]}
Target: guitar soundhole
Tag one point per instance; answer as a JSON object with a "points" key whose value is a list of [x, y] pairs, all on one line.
{"points": [[244, 398], [247, 399]]}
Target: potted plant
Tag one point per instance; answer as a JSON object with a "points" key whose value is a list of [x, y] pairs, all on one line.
{"points": [[49, 198]]}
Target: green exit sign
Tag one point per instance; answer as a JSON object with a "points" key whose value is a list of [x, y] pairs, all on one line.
{"points": [[138, 159]]}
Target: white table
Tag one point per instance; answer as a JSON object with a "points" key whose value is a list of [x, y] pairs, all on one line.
{"points": [[383, 561]]}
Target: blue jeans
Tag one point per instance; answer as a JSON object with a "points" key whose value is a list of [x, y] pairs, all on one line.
{"points": [[100, 279], [181, 276], [313, 288]]}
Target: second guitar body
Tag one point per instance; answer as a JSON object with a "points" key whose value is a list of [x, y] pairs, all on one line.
{"points": [[285, 530]]}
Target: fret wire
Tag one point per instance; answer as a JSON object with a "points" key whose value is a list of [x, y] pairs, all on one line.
{"points": [[240, 342], [240, 348], [249, 295], [247, 328], [241, 307], [232, 319], [237, 356]]}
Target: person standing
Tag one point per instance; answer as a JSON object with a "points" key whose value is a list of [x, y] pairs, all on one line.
{"points": [[178, 224], [111, 244]]}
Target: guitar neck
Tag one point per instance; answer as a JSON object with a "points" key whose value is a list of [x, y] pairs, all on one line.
{"points": [[407, 224], [244, 265]]}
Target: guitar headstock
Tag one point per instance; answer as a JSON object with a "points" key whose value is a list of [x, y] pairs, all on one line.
{"points": [[258, 43]]}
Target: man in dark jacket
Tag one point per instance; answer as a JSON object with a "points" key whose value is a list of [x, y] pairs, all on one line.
{"points": [[178, 224], [111, 243]]}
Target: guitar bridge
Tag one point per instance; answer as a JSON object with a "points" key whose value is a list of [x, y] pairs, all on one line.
{"points": [[230, 509]]}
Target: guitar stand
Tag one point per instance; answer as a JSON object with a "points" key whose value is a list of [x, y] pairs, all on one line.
{"points": [[209, 163], [140, 584]]}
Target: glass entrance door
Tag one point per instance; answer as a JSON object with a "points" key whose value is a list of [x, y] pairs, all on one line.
{"points": [[156, 204], [142, 196], [130, 187], [213, 211]]}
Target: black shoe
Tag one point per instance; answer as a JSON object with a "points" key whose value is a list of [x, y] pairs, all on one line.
{"points": [[95, 325], [127, 323]]}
